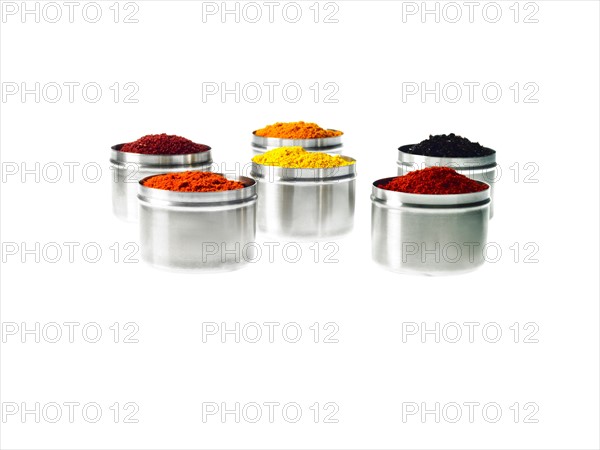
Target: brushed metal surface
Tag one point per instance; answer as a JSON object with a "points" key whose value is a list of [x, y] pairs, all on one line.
{"points": [[129, 168], [203, 231], [428, 234], [305, 203], [331, 145]]}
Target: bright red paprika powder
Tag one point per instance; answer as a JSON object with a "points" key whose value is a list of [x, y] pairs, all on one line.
{"points": [[163, 144], [191, 181], [434, 180]]}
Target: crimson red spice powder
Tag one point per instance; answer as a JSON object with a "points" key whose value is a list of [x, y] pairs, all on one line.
{"points": [[191, 181], [434, 180], [163, 144]]}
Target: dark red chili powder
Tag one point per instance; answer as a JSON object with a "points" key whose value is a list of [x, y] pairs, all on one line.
{"points": [[163, 144], [434, 180], [192, 182]]}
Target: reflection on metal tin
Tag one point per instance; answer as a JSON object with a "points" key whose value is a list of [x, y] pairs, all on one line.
{"points": [[331, 145], [129, 168], [198, 230], [428, 234], [305, 203]]}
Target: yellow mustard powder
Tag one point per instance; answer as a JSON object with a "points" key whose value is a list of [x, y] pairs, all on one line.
{"points": [[298, 158]]}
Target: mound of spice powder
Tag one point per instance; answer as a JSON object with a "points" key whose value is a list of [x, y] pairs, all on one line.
{"points": [[434, 180], [296, 130], [191, 181], [449, 146], [298, 158], [163, 144]]}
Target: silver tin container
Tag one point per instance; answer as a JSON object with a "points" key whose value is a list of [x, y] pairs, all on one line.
{"points": [[129, 168], [428, 234], [305, 203], [481, 168], [331, 145], [198, 230]]}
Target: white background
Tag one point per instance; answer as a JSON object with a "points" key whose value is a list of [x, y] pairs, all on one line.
{"points": [[370, 373]]}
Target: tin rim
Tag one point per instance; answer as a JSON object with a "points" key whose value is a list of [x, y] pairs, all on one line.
{"points": [[478, 162], [276, 173], [119, 157], [307, 144], [163, 196], [394, 198]]}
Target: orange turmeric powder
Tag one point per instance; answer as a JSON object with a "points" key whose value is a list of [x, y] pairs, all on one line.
{"points": [[296, 130], [191, 181]]}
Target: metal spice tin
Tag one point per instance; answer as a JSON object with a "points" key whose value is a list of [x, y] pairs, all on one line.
{"points": [[331, 145], [305, 203], [129, 168], [198, 230], [481, 168], [428, 234]]}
